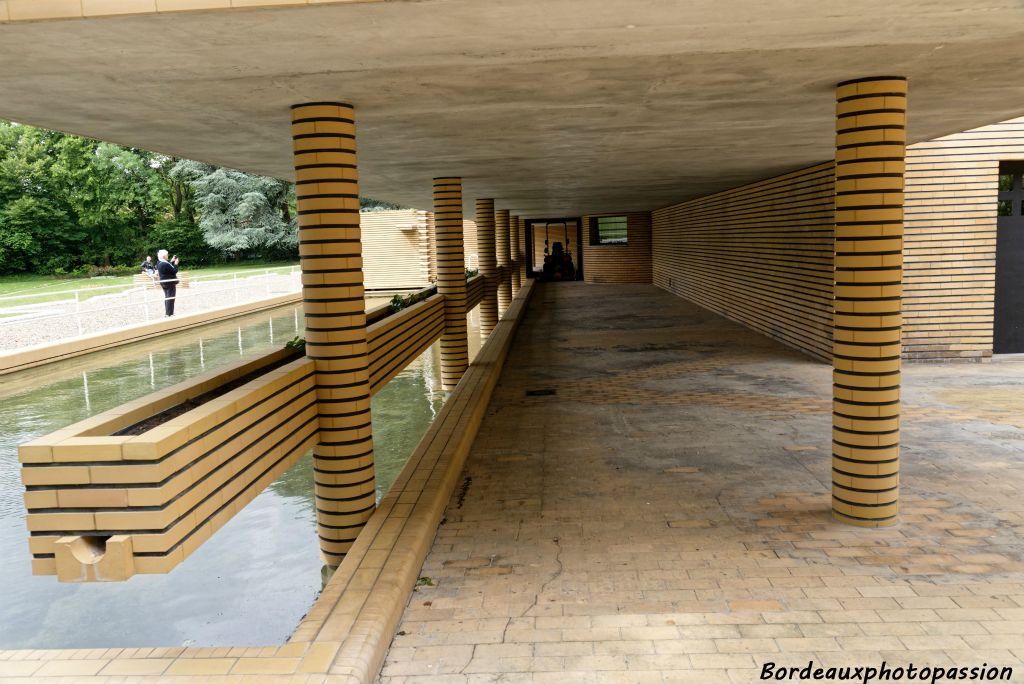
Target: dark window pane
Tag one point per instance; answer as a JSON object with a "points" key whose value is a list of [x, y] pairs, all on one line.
{"points": [[611, 230], [1005, 182], [1005, 208]]}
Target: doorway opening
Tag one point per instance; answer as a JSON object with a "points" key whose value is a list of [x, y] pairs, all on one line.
{"points": [[1008, 323], [554, 249]]}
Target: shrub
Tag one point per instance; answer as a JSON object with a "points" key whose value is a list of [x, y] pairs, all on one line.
{"points": [[182, 239]]}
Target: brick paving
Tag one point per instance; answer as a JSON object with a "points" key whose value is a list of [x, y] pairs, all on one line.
{"points": [[664, 515]]}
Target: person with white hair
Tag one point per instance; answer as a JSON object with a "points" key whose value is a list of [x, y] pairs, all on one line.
{"points": [[167, 269]]}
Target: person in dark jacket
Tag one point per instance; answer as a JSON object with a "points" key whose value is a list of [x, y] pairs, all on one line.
{"points": [[168, 272]]}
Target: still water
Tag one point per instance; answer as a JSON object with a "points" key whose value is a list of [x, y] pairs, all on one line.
{"points": [[255, 579]]}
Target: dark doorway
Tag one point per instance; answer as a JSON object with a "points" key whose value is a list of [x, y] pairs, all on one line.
{"points": [[1008, 335], [543, 234]]}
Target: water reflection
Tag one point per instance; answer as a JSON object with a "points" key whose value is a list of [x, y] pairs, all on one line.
{"points": [[255, 579]]}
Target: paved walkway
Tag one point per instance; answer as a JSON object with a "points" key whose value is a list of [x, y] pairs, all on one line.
{"points": [[664, 515]]}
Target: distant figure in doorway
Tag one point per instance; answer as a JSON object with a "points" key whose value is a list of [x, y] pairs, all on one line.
{"points": [[148, 268], [168, 272]]}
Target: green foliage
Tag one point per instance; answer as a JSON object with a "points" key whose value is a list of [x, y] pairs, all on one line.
{"points": [[398, 302], [241, 212], [424, 582], [369, 204], [471, 273], [67, 203], [183, 239], [90, 271], [298, 343]]}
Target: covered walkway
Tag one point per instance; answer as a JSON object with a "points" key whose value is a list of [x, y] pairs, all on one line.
{"points": [[648, 500]]}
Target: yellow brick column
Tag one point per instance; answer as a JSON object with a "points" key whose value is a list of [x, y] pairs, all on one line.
{"points": [[330, 248], [522, 251], [451, 278], [488, 265], [870, 149], [503, 255], [513, 243]]}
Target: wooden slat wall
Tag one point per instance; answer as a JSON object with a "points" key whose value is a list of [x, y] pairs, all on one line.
{"points": [[628, 263], [396, 249], [950, 240], [398, 339], [474, 292], [760, 254]]}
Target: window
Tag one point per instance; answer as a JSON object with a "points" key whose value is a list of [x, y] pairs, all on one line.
{"points": [[1010, 201], [608, 230]]}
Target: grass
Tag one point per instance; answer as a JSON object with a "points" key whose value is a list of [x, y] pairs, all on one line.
{"points": [[31, 284]]}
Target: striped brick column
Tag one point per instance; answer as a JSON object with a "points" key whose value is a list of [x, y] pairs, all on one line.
{"points": [[451, 278], [513, 243], [330, 248], [488, 265], [503, 255], [870, 149], [522, 252]]}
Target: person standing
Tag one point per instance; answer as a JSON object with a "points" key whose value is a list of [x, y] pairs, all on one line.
{"points": [[168, 272]]}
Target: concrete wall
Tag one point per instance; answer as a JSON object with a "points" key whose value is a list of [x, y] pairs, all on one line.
{"points": [[628, 263], [761, 254]]}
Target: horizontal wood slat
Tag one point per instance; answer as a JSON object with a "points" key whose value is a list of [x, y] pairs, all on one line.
{"points": [[397, 340], [396, 249], [475, 288], [760, 254], [952, 186]]}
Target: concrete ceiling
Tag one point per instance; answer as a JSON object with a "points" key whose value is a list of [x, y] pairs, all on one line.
{"points": [[553, 107]]}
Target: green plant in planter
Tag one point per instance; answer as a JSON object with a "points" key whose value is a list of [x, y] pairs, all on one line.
{"points": [[297, 343], [397, 303], [471, 273]]}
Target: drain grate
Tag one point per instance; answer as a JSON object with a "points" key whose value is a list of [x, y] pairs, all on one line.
{"points": [[547, 392]]}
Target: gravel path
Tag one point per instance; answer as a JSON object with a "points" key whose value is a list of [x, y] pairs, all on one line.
{"points": [[57, 320]]}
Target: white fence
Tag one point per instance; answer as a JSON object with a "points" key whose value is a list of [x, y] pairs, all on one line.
{"points": [[27, 319]]}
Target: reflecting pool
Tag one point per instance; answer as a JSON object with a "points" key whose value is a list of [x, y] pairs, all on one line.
{"points": [[255, 579]]}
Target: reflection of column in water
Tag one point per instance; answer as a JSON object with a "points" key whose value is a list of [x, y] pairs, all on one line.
{"points": [[85, 387], [427, 369], [152, 372], [296, 312], [202, 357], [271, 322], [240, 351]]}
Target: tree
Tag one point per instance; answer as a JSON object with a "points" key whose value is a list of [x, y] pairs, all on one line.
{"points": [[241, 212], [37, 228], [68, 202]]}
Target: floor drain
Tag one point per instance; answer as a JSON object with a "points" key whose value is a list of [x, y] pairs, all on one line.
{"points": [[540, 393]]}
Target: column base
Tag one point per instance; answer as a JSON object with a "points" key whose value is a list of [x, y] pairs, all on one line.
{"points": [[863, 522]]}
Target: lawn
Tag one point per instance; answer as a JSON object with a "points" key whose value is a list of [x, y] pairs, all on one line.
{"points": [[56, 288]]}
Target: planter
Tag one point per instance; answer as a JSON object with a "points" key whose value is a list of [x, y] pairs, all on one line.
{"points": [[138, 488], [103, 506]]}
